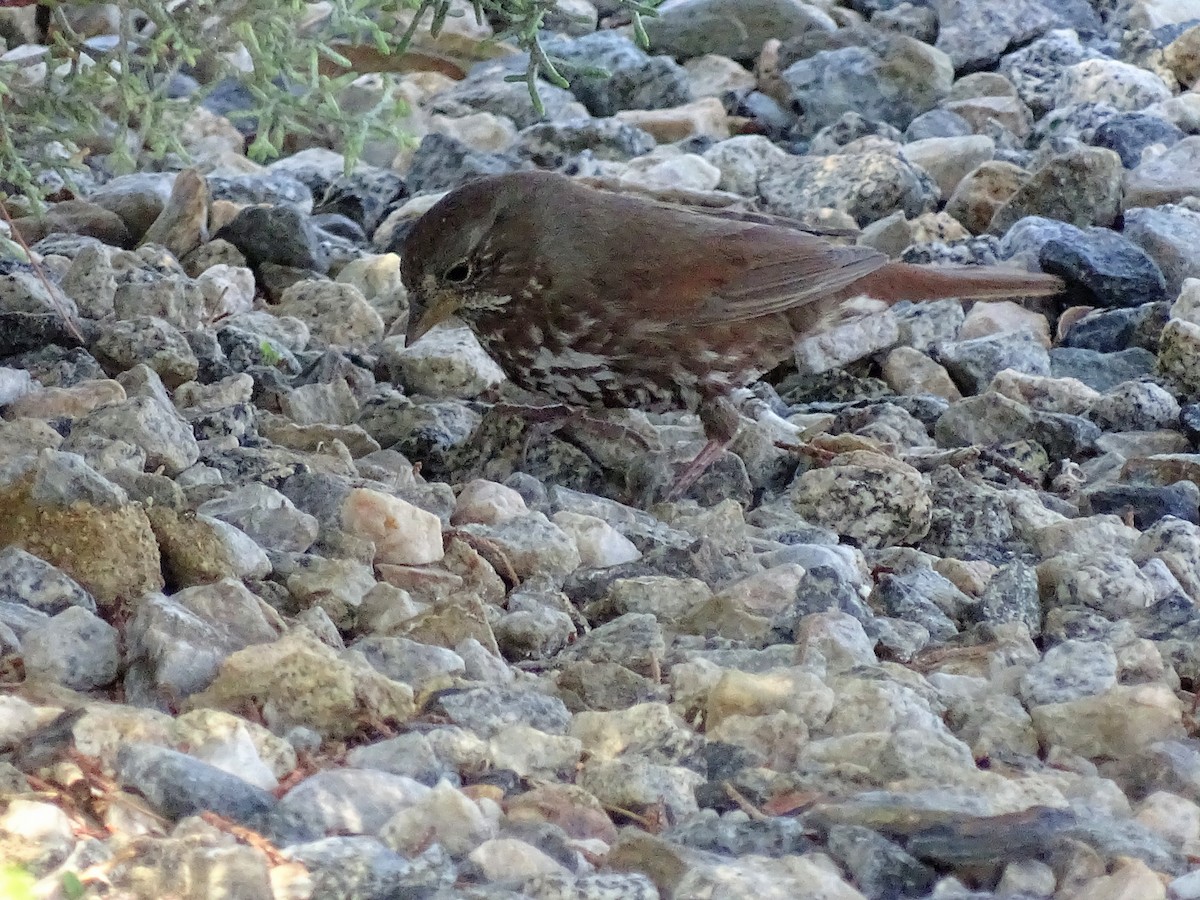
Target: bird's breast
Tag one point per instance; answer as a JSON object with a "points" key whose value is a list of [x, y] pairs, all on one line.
{"points": [[592, 363]]}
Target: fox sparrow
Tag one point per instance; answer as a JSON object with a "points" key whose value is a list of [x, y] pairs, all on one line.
{"points": [[599, 299]]}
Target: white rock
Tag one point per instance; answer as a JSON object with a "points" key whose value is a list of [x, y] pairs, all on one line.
{"points": [[528, 751], [507, 859], [833, 641], [227, 289], [487, 503], [246, 559], [598, 542], [843, 344], [446, 362], [1175, 818], [1187, 304], [404, 534], [446, 816]]}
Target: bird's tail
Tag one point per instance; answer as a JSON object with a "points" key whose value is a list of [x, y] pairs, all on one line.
{"points": [[898, 281]]}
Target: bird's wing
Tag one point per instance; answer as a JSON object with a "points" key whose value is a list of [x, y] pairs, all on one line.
{"points": [[729, 271], [787, 270]]}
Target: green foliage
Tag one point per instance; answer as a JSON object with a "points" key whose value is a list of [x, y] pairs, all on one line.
{"points": [[111, 95], [270, 355], [72, 887], [16, 883]]}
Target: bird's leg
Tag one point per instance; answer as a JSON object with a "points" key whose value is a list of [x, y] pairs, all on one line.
{"points": [[697, 467], [721, 420], [721, 417]]}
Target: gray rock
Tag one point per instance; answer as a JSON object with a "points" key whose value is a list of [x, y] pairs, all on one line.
{"points": [[991, 418], [279, 234], [1179, 358], [425, 431], [894, 82], [1170, 235], [868, 186], [634, 640], [158, 430], [880, 867], [593, 886], [1023, 241], [924, 325], [26, 579], [409, 661], [636, 79], [176, 299], [62, 478], [974, 363], [442, 162], [1129, 134], [1102, 371], [341, 801], [75, 648], [1107, 582], [533, 544], [176, 644], [551, 145], [1167, 178], [485, 90], [1068, 671], [335, 313], [968, 520], [975, 34], [409, 754], [447, 362], [14, 384], [1120, 85], [266, 516], [1146, 504], [900, 598], [1135, 406], [274, 187], [1110, 268], [849, 127], [1036, 68], [365, 868], [1082, 186], [937, 123], [146, 339], [635, 783], [1012, 596], [873, 499], [533, 633], [737, 30], [1118, 329], [177, 785], [488, 710]]}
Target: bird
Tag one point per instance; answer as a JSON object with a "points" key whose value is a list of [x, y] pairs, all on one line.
{"points": [[603, 300]]}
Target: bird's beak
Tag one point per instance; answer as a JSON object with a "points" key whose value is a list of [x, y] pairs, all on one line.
{"points": [[443, 308]]}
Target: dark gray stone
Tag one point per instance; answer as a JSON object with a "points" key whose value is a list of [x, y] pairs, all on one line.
{"points": [[1101, 371], [177, 785], [1107, 267]]}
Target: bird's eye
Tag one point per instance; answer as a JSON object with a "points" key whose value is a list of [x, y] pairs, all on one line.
{"points": [[459, 272]]}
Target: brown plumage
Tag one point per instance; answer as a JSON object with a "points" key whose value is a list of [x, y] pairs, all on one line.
{"points": [[598, 299]]}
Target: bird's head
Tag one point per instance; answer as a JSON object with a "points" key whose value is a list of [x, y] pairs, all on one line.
{"points": [[457, 258]]}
